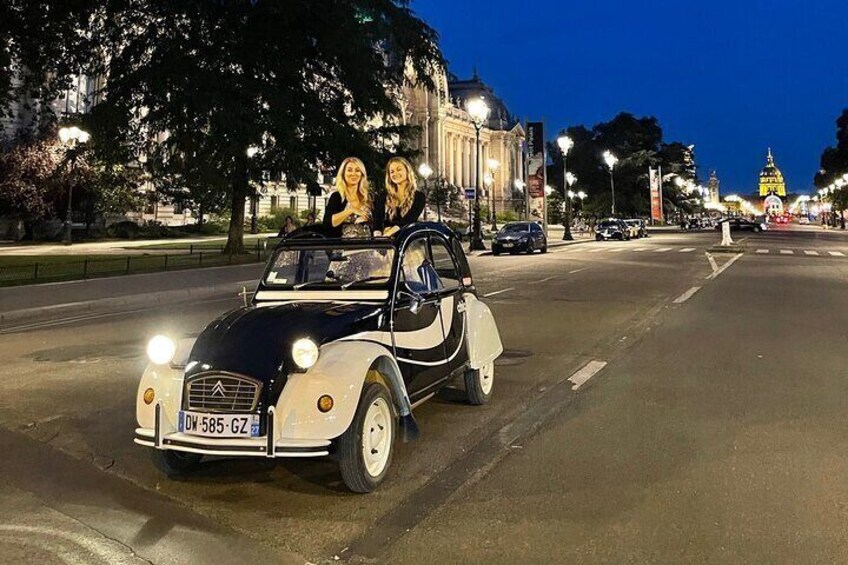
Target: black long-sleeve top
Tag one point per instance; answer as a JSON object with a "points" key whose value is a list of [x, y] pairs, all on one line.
{"points": [[382, 219]]}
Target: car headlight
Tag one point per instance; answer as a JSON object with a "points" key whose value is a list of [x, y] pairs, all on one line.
{"points": [[161, 349], [305, 353]]}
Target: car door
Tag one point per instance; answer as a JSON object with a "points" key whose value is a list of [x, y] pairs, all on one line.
{"points": [[452, 304], [417, 331], [538, 235]]}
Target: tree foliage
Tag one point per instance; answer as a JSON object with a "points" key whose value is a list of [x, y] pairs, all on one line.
{"points": [[638, 143]]}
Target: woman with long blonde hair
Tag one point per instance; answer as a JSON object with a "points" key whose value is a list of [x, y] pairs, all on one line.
{"points": [[403, 202], [348, 212]]}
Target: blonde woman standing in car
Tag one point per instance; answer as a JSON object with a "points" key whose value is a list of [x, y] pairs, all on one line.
{"points": [[348, 212], [402, 203]]}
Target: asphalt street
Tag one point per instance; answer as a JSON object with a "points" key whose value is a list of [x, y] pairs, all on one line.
{"points": [[655, 403]]}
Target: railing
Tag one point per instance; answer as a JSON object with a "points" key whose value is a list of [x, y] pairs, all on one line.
{"points": [[192, 256]]}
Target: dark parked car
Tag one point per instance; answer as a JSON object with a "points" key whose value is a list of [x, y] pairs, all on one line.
{"points": [[612, 229], [520, 237], [739, 224], [343, 338]]}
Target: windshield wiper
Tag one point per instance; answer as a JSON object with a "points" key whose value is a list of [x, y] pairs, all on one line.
{"points": [[366, 279]]}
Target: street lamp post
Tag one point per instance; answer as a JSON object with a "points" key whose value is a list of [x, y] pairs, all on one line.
{"points": [[478, 110], [565, 144], [72, 137], [493, 166], [611, 161], [570, 179], [519, 186], [254, 202], [425, 171]]}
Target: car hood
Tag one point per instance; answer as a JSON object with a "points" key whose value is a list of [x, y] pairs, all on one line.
{"points": [[256, 341], [511, 236]]}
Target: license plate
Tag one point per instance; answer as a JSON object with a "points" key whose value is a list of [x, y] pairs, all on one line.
{"points": [[507, 245], [218, 425]]}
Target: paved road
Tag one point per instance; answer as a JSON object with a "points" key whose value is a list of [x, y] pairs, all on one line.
{"points": [[712, 434]]}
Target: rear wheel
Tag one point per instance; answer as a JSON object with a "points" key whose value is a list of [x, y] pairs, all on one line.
{"points": [[175, 463], [479, 384], [365, 449]]}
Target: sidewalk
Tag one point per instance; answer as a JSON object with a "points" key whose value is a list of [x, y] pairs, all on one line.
{"points": [[122, 247]]}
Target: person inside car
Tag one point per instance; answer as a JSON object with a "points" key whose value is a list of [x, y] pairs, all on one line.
{"points": [[348, 212], [402, 202]]}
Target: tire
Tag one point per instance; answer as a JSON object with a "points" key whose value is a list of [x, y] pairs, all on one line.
{"points": [[756, 230], [619, 236], [496, 252], [375, 412], [599, 237], [544, 249], [175, 463], [479, 384], [530, 248]]}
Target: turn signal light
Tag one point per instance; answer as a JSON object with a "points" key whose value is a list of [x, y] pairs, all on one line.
{"points": [[149, 395], [325, 403]]}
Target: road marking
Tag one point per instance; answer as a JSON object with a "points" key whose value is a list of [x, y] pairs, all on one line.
{"points": [[725, 266], [687, 295], [837, 253], [588, 371], [808, 252], [498, 292], [763, 251], [541, 281], [598, 250], [641, 249], [687, 250], [712, 263], [577, 270], [663, 249], [614, 249], [787, 252]]}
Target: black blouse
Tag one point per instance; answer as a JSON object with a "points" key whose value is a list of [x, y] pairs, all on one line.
{"points": [[335, 205], [383, 221]]}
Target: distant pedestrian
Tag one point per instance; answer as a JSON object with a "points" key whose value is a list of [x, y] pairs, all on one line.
{"points": [[288, 227], [310, 219]]}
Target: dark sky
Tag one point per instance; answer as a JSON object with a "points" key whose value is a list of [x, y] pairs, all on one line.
{"points": [[732, 77]]}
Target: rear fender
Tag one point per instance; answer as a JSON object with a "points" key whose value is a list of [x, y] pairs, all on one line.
{"points": [[341, 371], [483, 339]]}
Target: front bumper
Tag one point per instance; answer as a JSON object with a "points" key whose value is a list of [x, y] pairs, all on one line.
{"points": [[513, 245], [265, 446]]}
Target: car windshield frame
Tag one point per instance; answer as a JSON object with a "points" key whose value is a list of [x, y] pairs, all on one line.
{"points": [[272, 279], [515, 228]]}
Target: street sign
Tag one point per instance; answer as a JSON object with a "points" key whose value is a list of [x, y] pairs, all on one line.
{"points": [[469, 193]]}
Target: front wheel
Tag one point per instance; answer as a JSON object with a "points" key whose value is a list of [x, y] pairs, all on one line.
{"points": [[479, 383], [175, 463], [365, 449], [756, 230]]}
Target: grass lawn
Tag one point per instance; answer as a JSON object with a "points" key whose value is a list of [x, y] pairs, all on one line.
{"points": [[216, 243]]}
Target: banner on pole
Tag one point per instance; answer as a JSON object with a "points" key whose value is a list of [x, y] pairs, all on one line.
{"points": [[655, 181], [536, 174]]}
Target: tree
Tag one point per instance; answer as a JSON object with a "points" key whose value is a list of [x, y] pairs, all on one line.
{"points": [[31, 181], [834, 164], [306, 82]]}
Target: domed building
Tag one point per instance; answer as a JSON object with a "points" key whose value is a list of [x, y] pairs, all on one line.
{"points": [[772, 187]]}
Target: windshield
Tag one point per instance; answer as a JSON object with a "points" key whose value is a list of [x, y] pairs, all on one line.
{"points": [[608, 225], [331, 267], [515, 228]]}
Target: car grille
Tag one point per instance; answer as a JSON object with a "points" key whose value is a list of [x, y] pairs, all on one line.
{"points": [[222, 392]]}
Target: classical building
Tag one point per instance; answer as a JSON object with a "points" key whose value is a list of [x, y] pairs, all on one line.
{"points": [[772, 187], [713, 184]]}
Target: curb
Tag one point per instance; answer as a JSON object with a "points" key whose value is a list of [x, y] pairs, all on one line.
{"points": [[131, 301]]}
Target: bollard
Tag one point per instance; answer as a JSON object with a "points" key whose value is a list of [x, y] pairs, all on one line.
{"points": [[128, 264]]}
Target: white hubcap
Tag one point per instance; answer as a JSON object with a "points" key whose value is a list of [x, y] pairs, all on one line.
{"points": [[486, 374], [377, 437]]}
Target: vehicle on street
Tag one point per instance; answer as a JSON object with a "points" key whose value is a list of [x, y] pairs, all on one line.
{"points": [[804, 221], [637, 228], [342, 339], [518, 237], [740, 224], [612, 229]]}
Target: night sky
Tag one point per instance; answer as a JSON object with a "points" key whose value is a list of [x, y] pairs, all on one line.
{"points": [[732, 77]]}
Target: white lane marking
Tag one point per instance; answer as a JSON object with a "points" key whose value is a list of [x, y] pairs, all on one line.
{"points": [[836, 253], [577, 270], [725, 266], [498, 292], [808, 252], [641, 249], [663, 249], [541, 280], [588, 371], [786, 252], [687, 250], [687, 295], [614, 249], [597, 250], [712, 262], [763, 251]]}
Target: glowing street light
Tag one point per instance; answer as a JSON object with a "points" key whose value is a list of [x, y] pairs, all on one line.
{"points": [[424, 171], [72, 137], [479, 112], [492, 165], [611, 161]]}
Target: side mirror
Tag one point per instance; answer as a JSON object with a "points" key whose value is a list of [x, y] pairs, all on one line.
{"points": [[417, 300]]}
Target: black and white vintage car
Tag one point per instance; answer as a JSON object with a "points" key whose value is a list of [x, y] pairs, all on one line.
{"points": [[343, 338]]}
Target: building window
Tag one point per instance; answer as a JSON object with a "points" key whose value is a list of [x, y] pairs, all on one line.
{"points": [[293, 202], [179, 208], [274, 204]]}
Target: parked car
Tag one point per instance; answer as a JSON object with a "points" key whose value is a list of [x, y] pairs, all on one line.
{"points": [[612, 229], [520, 236], [740, 224], [804, 221], [342, 339], [637, 228]]}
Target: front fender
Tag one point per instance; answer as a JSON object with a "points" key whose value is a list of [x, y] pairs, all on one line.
{"points": [[484, 340], [167, 384], [340, 372]]}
